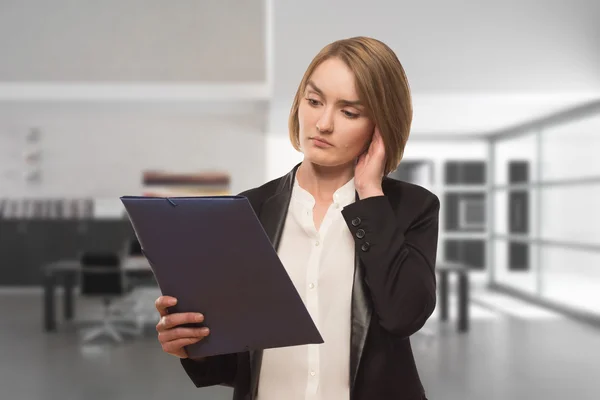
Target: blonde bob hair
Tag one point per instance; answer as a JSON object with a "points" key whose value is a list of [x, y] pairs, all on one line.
{"points": [[382, 87]]}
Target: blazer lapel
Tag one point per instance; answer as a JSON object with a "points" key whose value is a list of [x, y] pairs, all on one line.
{"points": [[272, 217], [274, 212], [360, 317]]}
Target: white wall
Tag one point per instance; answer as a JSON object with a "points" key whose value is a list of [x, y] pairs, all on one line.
{"points": [[132, 41], [281, 156], [101, 151]]}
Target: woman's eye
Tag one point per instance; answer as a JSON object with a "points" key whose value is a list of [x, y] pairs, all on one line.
{"points": [[312, 102], [349, 114]]}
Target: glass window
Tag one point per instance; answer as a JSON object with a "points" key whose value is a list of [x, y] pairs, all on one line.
{"points": [[571, 277], [571, 213], [571, 150]]}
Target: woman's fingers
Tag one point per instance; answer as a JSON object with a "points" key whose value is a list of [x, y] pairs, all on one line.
{"points": [[173, 320], [163, 302], [173, 337], [182, 333], [176, 347]]}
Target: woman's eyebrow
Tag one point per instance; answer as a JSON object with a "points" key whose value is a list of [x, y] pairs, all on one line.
{"points": [[314, 87], [320, 92]]}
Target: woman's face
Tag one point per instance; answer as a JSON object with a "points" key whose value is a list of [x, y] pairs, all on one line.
{"points": [[334, 126]]}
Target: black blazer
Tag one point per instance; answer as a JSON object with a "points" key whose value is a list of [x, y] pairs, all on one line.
{"points": [[394, 290]]}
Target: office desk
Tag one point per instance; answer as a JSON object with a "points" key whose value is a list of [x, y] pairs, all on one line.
{"points": [[67, 271], [443, 269]]}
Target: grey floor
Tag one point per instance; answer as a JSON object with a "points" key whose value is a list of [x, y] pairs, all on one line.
{"points": [[501, 358]]}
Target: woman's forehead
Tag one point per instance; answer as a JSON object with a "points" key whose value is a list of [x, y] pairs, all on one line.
{"points": [[333, 78]]}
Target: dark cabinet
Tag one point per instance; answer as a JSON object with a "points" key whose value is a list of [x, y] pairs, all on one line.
{"points": [[465, 173], [518, 172], [518, 215], [26, 245], [106, 235], [518, 212], [518, 257], [465, 212], [14, 256]]}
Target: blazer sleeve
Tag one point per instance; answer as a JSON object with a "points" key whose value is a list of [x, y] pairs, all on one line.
{"points": [[216, 370], [399, 260]]}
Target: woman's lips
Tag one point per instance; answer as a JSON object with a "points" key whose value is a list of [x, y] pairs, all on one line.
{"points": [[321, 142]]}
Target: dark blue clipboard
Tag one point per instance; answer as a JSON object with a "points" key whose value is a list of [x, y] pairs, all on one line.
{"points": [[214, 256]]}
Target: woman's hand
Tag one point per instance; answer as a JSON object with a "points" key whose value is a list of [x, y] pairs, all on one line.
{"points": [[369, 168], [172, 337]]}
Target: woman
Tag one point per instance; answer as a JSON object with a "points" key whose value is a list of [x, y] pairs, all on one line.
{"points": [[359, 247]]}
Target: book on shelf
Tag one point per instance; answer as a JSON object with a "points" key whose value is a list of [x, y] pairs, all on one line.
{"points": [[166, 184]]}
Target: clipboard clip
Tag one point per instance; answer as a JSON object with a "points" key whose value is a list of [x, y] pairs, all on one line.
{"points": [[172, 202]]}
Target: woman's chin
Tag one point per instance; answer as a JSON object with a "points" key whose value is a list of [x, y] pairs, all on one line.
{"points": [[326, 160]]}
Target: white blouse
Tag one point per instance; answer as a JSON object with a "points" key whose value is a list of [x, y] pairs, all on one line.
{"points": [[321, 266]]}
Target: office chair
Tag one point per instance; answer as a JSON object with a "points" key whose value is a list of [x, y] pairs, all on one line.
{"points": [[102, 276], [146, 289]]}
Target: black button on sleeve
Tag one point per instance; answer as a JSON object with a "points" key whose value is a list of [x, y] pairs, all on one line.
{"points": [[360, 233], [365, 246], [356, 221]]}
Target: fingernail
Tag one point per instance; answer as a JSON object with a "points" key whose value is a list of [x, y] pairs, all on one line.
{"points": [[199, 317], [172, 302], [205, 331]]}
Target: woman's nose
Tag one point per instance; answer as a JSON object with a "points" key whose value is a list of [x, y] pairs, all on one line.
{"points": [[325, 122]]}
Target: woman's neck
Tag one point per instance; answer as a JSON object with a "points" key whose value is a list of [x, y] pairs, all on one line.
{"points": [[322, 182]]}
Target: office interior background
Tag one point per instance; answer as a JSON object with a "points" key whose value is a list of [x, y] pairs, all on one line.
{"points": [[104, 99]]}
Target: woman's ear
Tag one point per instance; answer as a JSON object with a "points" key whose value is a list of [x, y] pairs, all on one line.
{"points": [[370, 139], [367, 145]]}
